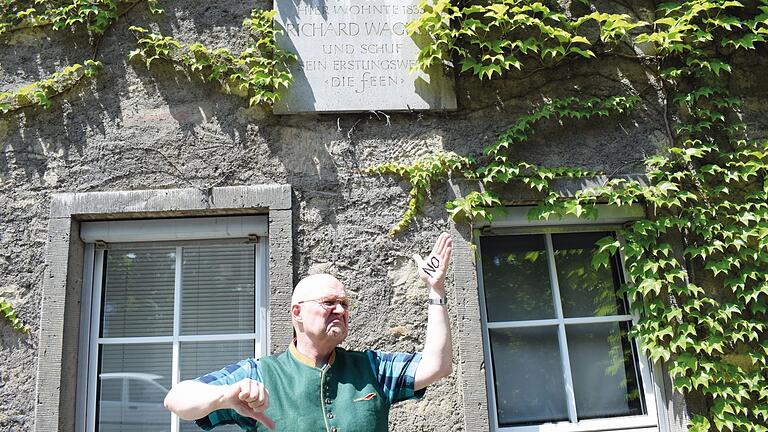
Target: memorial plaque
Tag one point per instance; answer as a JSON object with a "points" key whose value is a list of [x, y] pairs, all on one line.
{"points": [[356, 55]]}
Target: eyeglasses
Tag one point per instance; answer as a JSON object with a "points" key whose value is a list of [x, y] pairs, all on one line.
{"points": [[330, 303]]}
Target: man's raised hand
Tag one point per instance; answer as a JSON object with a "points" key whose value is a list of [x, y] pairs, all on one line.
{"points": [[249, 398], [433, 270]]}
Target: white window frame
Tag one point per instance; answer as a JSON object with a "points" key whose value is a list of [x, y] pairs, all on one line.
{"points": [[117, 235], [610, 219]]}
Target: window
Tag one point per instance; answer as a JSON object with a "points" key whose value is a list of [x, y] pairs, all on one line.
{"points": [[555, 336], [162, 311]]}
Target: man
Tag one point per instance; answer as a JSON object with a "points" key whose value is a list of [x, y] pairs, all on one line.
{"points": [[315, 385]]}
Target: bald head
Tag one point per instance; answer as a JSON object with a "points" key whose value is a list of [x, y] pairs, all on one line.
{"points": [[316, 286], [320, 315]]}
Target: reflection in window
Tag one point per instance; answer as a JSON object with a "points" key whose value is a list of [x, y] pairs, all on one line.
{"points": [[146, 391], [138, 289], [155, 315], [218, 293], [529, 375], [584, 290], [603, 358], [143, 374], [546, 336], [517, 283]]}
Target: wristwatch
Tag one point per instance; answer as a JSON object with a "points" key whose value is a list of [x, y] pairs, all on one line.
{"points": [[436, 301]]}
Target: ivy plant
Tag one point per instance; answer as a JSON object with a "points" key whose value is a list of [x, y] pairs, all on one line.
{"points": [[9, 314], [258, 72], [41, 92], [490, 38]]}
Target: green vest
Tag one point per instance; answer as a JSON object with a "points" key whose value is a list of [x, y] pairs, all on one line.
{"points": [[342, 396]]}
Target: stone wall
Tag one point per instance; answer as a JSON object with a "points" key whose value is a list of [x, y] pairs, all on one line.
{"points": [[135, 129]]}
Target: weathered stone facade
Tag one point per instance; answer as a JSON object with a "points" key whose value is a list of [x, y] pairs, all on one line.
{"points": [[134, 129]]}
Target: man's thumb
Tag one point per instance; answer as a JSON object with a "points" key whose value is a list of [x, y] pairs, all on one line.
{"points": [[419, 261], [266, 421]]}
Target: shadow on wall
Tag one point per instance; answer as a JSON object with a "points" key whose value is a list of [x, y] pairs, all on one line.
{"points": [[125, 105], [167, 124]]}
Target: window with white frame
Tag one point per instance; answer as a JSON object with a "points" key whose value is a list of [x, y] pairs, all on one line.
{"points": [[558, 357], [165, 301]]}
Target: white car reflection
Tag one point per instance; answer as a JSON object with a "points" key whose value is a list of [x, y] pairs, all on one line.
{"points": [[132, 402]]}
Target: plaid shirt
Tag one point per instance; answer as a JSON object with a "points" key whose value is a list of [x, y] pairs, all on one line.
{"points": [[395, 375]]}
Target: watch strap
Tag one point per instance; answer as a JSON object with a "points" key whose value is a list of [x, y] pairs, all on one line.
{"points": [[436, 301]]}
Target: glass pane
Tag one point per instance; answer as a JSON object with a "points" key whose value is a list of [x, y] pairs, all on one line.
{"points": [[584, 290], [200, 358], [138, 293], [528, 376], [604, 368], [218, 290], [516, 278], [133, 382], [190, 426]]}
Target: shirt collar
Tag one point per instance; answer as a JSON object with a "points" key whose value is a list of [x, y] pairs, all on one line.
{"points": [[306, 360]]}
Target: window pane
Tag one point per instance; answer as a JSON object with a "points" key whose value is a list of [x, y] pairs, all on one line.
{"points": [[218, 290], [145, 391], [603, 365], [190, 426], [132, 384], [528, 375], [516, 278], [584, 290], [199, 358], [111, 390], [138, 293]]}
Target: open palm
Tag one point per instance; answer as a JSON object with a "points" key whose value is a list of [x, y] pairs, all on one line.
{"points": [[433, 270]]}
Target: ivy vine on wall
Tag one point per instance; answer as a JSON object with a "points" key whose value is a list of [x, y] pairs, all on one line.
{"points": [[9, 314], [258, 72]]}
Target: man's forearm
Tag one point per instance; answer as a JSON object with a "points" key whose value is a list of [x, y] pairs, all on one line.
{"points": [[191, 400], [436, 358]]}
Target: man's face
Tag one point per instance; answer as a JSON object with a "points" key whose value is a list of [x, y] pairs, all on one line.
{"points": [[323, 315]]}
